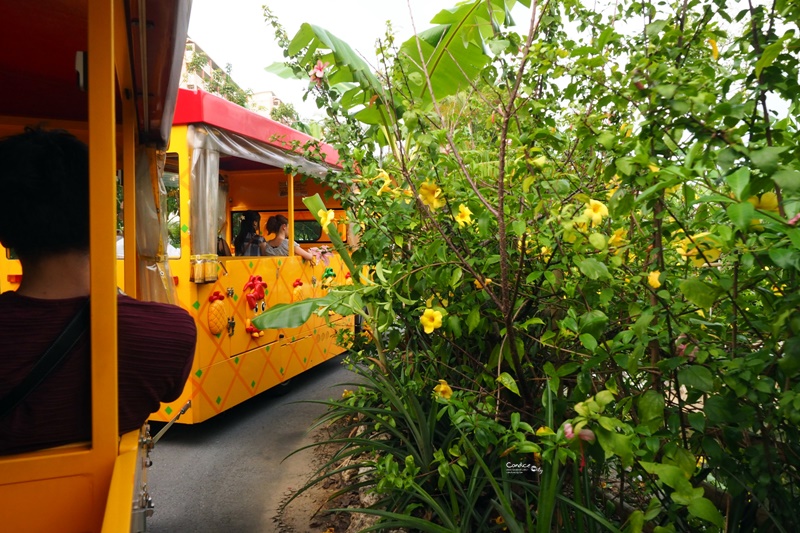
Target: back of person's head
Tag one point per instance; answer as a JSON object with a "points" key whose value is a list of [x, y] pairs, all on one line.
{"points": [[247, 220], [275, 222], [44, 204], [246, 229]]}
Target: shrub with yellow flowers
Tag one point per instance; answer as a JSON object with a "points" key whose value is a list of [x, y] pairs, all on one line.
{"points": [[585, 230]]}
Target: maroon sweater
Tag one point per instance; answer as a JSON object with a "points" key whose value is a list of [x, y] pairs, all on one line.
{"points": [[156, 347]]}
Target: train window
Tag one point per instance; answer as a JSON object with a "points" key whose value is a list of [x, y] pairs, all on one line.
{"points": [[172, 183], [11, 254], [171, 201], [305, 231]]}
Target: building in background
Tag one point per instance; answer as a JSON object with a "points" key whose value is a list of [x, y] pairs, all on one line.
{"points": [[264, 102], [200, 71]]}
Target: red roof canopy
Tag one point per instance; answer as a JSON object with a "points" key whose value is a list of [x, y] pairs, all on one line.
{"points": [[199, 107]]}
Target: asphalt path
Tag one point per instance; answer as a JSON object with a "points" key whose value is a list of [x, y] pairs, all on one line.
{"points": [[228, 474]]}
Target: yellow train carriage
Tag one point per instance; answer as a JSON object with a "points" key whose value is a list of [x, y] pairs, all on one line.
{"points": [[225, 160], [107, 71]]}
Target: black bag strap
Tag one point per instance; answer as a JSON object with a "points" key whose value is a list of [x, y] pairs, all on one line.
{"points": [[49, 361]]}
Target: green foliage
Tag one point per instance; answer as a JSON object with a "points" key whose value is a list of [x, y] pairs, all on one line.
{"points": [[590, 231], [285, 113]]}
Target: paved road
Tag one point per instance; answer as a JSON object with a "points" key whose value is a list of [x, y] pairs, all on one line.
{"points": [[225, 474]]}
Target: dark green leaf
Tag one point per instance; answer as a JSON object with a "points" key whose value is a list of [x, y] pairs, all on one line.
{"points": [[739, 182], [703, 508], [766, 159], [651, 410], [696, 377], [787, 179], [741, 214], [594, 269], [698, 292]]}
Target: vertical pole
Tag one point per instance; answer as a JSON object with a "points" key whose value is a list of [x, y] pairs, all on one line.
{"points": [[102, 234], [290, 185]]}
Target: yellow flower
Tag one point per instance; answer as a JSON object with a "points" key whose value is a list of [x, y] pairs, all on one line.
{"points": [[613, 186], [430, 194], [540, 161], [544, 431], [546, 252], [714, 49], [325, 218], [463, 216], [387, 182], [486, 282], [699, 249], [347, 393], [595, 211], [443, 390], [767, 202], [653, 168], [431, 320], [617, 239], [406, 194], [652, 279]]}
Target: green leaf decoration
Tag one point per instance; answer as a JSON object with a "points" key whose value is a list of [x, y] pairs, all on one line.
{"points": [[704, 509], [696, 377], [508, 382], [698, 292], [741, 214]]}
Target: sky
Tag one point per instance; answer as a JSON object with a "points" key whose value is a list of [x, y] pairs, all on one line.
{"points": [[234, 31]]}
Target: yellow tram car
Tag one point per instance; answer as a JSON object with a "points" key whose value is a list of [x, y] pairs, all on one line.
{"points": [[224, 160], [108, 72]]}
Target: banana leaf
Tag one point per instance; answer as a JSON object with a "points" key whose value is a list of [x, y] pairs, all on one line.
{"points": [[293, 315]]}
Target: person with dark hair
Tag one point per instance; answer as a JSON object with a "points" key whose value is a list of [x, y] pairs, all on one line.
{"points": [[278, 225], [248, 242], [44, 217]]}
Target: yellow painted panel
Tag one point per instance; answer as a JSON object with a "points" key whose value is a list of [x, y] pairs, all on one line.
{"points": [[63, 504]]}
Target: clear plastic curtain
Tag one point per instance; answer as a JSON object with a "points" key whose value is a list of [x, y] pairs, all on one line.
{"points": [[204, 193], [222, 207], [154, 279]]}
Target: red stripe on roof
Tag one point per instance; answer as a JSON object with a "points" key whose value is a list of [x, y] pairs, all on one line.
{"points": [[197, 106]]}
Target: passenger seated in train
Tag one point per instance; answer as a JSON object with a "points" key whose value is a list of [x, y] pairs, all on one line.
{"points": [[223, 250], [248, 242], [278, 225], [44, 217]]}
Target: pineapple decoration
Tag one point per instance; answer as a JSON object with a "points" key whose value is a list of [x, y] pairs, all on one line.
{"points": [[217, 321], [257, 288], [328, 277], [298, 293]]}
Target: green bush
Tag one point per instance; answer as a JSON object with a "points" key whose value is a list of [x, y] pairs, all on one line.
{"points": [[589, 233]]}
